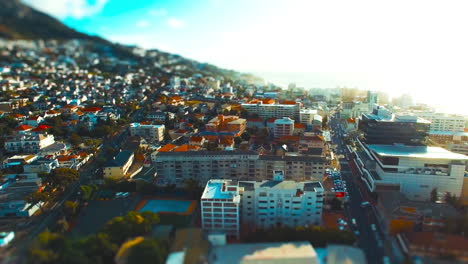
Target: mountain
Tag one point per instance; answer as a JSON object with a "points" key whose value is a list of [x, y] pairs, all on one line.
{"points": [[19, 21]]}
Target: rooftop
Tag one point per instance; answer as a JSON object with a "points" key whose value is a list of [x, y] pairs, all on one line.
{"points": [[287, 252], [121, 158], [214, 190], [423, 152]]}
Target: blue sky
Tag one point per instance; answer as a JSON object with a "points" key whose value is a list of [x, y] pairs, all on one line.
{"points": [[416, 46]]}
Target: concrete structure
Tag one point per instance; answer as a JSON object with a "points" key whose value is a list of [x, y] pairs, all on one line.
{"points": [[41, 165], [220, 207], [306, 116], [28, 143], [283, 127], [273, 203], [413, 170], [118, 166], [458, 147], [260, 204], [443, 122], [223, 123], [150, 132], [176, 167], [261, 253], [266, 111]]}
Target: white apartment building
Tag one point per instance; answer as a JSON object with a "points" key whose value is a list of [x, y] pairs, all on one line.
{"points": [[444, 122], [176, 167], [28, 142], [306, 116], [220, 207], [459, 147], [413, 170], [151, 132], [283, 127], [275, 203], [266, 111], [227, 205]]}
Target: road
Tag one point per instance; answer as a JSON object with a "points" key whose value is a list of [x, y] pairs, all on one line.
{"points": [[368, 240]]}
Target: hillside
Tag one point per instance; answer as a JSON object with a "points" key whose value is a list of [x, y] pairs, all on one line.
{"points": [[19, 21]]}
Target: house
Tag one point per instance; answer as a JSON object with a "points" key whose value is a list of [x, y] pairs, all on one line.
{"points": [[12, 202], [117, 167], [28, 143], [33, 121], [68, 109], [196, 141], [18, 160]]}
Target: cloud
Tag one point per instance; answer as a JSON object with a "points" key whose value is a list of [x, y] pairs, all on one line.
{"points": [[68, 8], [142, 23], [158, 12], [175, 23]]}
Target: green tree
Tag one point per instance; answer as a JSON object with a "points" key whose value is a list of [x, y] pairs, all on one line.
{"points": [[62, 177], [149, 251], [62, 225], [75, 139], [70, 208], [133, 224], [99, 248], [39, 196]]}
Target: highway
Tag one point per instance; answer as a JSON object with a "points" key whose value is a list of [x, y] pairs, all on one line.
{"points": [[368, 240]]}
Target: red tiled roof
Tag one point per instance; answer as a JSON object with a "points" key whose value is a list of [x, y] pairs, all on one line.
{"points": [[16, 115], [299, 125], [23, 128], [351, 120], [289, 138], [69, 106], [41, 128], [91, 109], [196, 139], [167, 148], [286, 102], [186, 147]]}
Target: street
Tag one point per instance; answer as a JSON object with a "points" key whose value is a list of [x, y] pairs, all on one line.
{"points": [[368, 240]]}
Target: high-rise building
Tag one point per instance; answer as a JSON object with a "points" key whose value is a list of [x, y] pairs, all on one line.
{"points": [[383, 127], [266, 111]]}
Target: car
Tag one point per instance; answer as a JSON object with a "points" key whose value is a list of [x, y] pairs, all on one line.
{"points": [[373, 227], [356, 232], [353, 221], [365, 204]]}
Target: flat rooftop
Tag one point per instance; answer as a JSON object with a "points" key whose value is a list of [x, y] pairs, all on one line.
{"points": [[422, 152], [288, 252], [213, 190]]}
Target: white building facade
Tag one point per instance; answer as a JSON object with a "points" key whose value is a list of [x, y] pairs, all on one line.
{"points": [[283, 127], [28, 143], [151, 132], [266, 111]]}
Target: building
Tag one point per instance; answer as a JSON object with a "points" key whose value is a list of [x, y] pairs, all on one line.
{"points": [[149, 132], [220, 207], [458, 147], [28, 143], [283, 127], [306, 116], [176, 167], [222, 123], [257, 253], [118, 166], [41, 165], [413, 170], [13, 193], [372, 99], [273, 110], [429, 246], [383, 127], [274, 203], [353, 109], [226, 204], [443, 122]]}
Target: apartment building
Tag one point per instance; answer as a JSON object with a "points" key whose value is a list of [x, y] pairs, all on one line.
{"points": [[28, 143], [306, 116], [266, 111], [118, 166], [413, 170], [176, 167], [150, 132], [223, 123], [444, 122], [283, 127], [460, 147], [273, 203], [220, 203], [227, 204]]}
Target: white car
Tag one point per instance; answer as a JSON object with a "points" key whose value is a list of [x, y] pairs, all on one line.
{"points": [[373, 227]]}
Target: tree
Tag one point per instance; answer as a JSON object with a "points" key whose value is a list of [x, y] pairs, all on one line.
{"points": [[149, 251], [62, 177], [192, 187], [434, 196], [99, 248], [62, 225], [70, 207], [75, 139], [38, 196], [453, 200], [133, 224]]}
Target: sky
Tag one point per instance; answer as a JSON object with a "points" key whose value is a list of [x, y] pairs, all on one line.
{"points": [[418, 47]]}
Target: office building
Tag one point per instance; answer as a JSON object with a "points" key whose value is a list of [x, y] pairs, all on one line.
{"points": [[306, 116], [413, 170], [383, 127], [283, 127], [443, 122], [150, 132]]}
